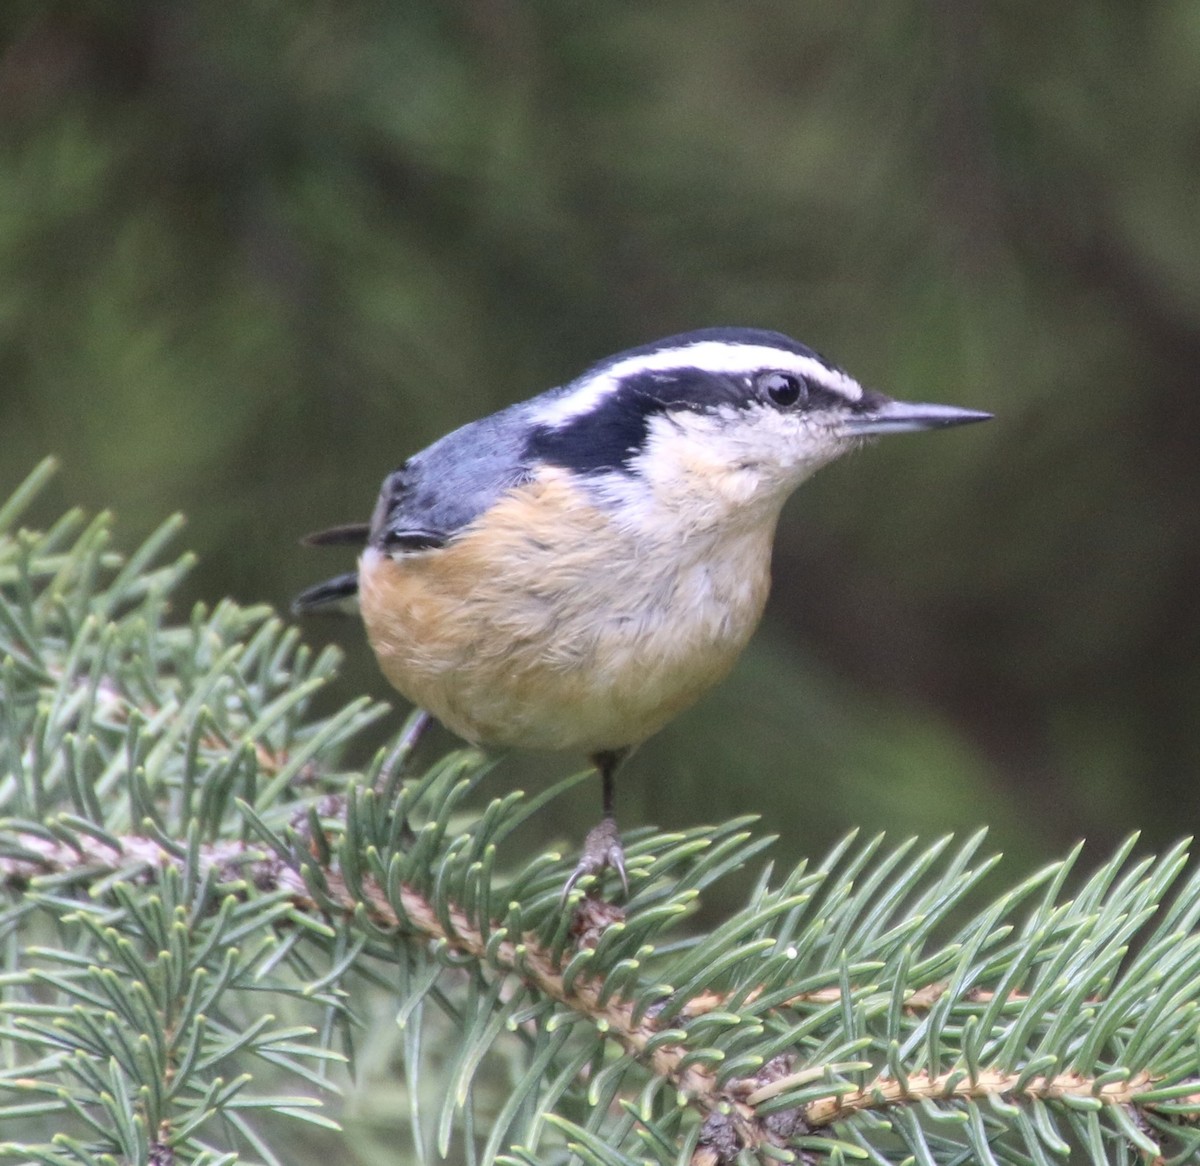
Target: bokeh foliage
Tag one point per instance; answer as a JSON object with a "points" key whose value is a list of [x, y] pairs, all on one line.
{"points": [[254, 254]]}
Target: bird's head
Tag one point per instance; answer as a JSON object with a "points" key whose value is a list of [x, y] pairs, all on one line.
{"points": [[718, 420]]}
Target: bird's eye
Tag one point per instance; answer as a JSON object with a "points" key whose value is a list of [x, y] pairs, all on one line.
{"points": [[784, 388]]}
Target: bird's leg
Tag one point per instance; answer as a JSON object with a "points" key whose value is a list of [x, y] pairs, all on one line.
{"points": [[602, 848]]}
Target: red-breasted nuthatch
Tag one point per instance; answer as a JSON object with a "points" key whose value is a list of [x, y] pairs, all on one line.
{"points": [[575, 570]]}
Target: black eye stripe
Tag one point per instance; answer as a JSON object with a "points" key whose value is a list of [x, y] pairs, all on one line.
{"points": [[822, 398], [610, 435]]}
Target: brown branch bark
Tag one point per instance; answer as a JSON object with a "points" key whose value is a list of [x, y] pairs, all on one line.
{"points": [[917, 999], [958, 1086]]}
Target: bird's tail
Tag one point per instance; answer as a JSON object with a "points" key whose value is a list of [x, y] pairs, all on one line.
{"points": [[337, 596]]}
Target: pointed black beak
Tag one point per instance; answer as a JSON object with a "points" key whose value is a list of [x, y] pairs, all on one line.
{"points": [[890, 416]]}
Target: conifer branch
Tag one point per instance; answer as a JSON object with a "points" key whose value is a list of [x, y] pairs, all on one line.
{"points": [[524, 955], [731, 1109]]}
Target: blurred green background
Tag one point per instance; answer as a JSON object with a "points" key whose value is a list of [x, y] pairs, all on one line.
{"points": [[254, 254]]}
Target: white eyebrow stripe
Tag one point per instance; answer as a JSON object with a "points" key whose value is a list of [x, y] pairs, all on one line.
{"points": [[716, 356]]}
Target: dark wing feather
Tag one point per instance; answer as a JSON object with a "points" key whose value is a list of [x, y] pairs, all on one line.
{"points": [[424, 503], [411, 540]]}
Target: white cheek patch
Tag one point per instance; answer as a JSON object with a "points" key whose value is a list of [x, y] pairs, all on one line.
{"points": [[773, 441], [714, 356], [735, 456], [704, 476]]}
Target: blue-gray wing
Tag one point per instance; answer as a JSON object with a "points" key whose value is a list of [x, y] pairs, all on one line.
{"points": [[449, 484], [432, 496]]}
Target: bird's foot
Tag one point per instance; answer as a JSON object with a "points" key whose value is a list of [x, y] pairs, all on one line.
{"points": [[602, 850]]}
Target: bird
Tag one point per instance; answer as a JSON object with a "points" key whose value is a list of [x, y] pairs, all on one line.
{"points": [[574, 570]]}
